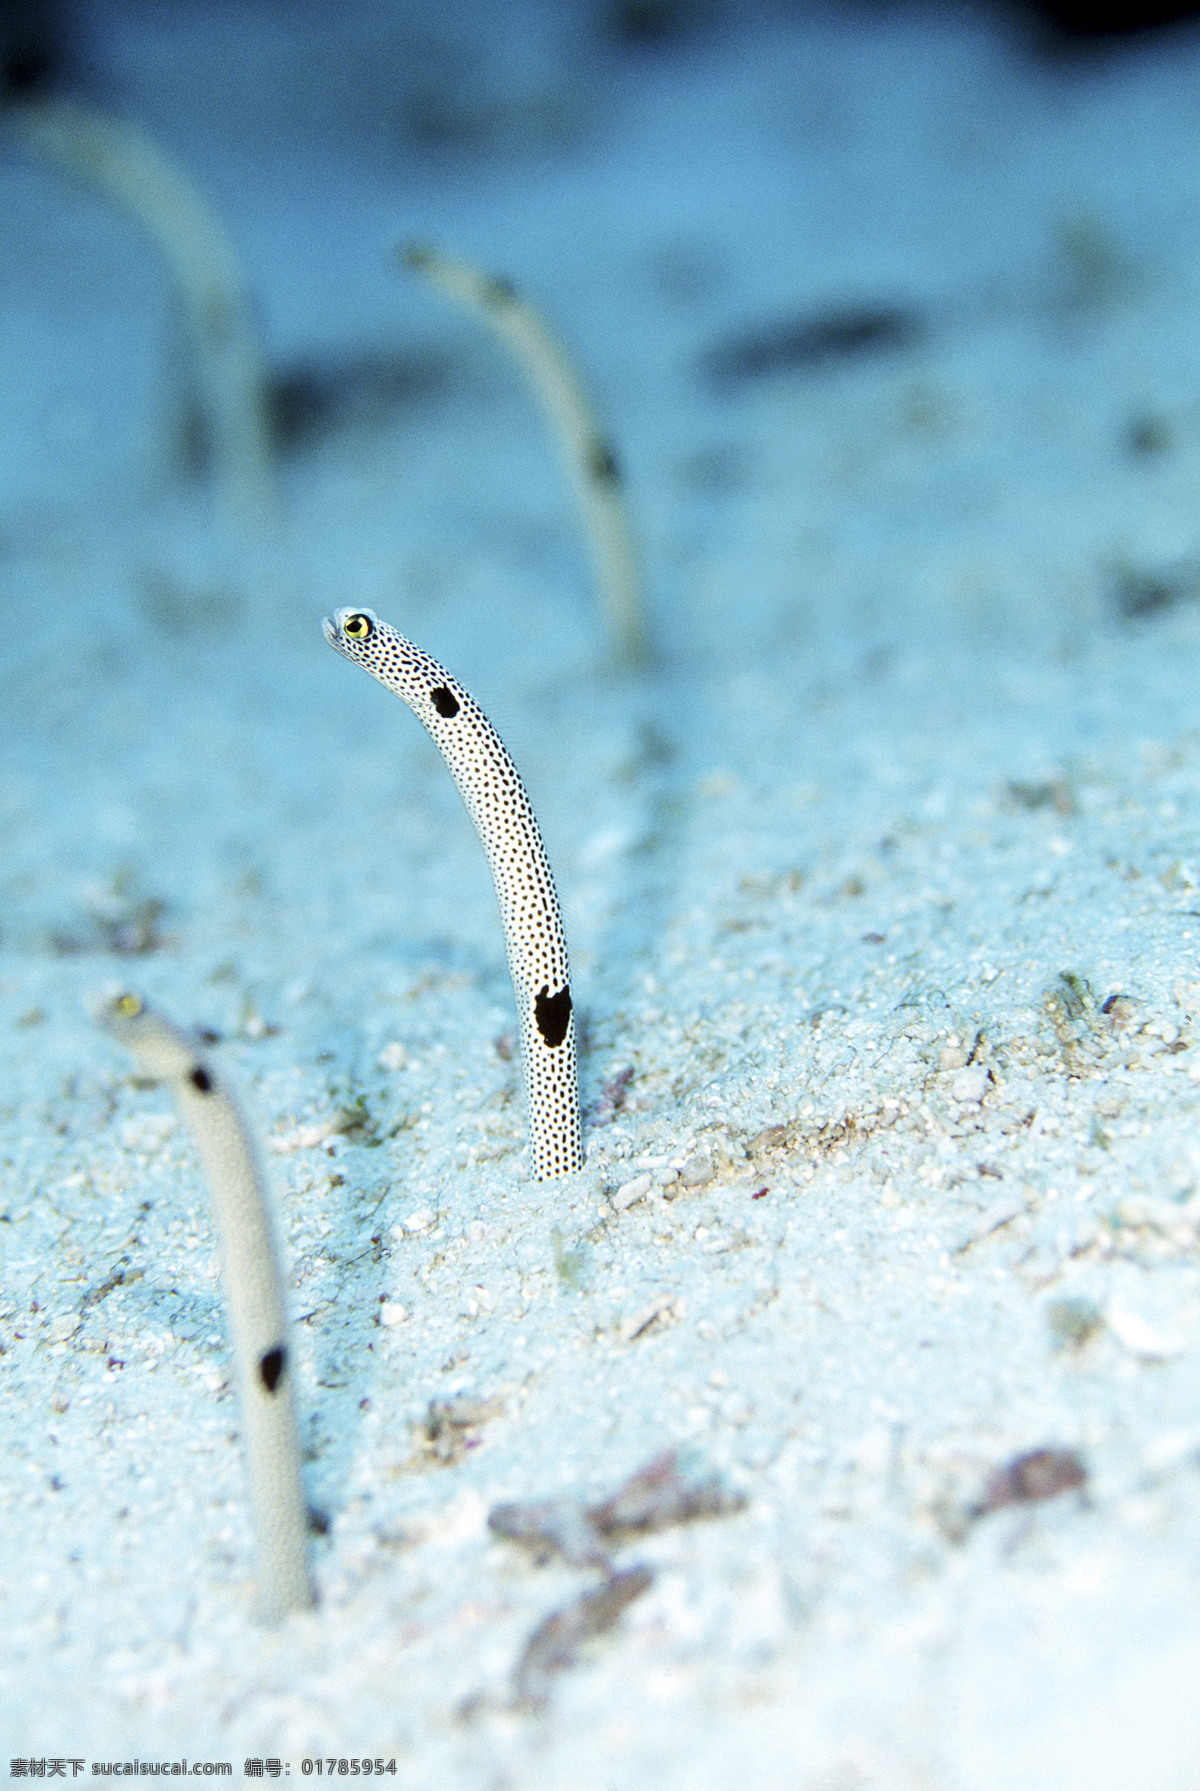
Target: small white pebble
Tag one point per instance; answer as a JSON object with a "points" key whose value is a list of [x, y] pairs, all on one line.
{"points": [[697, 1170], [1171, 1450], [417, 1222], [463, 1520], [970, 1085], [303, 1138], [391, 1313], [631, 1192], [1133, 1333], [393, 1057]]}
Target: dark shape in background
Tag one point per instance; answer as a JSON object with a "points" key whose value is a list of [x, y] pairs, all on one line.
{"points": [[1064, 26], [813, 340], [37, 45], [43, 42]]}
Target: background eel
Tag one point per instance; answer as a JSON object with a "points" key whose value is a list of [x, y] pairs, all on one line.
{"points": [[491, 787], [121, 162], [253, 1288], [587, 451]]}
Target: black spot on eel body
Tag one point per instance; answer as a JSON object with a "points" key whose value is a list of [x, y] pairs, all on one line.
{"points": [[497, 291], [444, 701], [272, 1366], [200, 1079], [553, 1014], [603, 465]]}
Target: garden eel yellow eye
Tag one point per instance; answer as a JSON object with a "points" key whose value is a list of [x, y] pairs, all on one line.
{"points": [[127, 1007], [358, 628]]}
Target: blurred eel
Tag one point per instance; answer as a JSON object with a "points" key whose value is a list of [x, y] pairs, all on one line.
{"points": [[253, 1288], [589, 455]]}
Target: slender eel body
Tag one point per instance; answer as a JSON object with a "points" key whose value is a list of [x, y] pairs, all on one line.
{"points": [[113, 156], [491, 787], [253, 1288], [587, 451]]}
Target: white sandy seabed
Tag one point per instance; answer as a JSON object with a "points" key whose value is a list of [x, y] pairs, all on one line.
{"points": [[883, 895]]}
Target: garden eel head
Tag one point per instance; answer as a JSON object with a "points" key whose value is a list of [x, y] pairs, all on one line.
{"points": [[163, 1050], [350, 630], [120, 1011]]}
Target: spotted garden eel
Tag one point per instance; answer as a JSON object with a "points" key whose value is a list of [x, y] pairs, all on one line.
{"points": [[253, 1288], [491, 787], [115, 158], [587, 451]]}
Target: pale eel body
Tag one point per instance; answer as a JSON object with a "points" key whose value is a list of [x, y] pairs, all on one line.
{"points": [[491, 788], [587, 451], [253, 1289], [116, 158]]}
